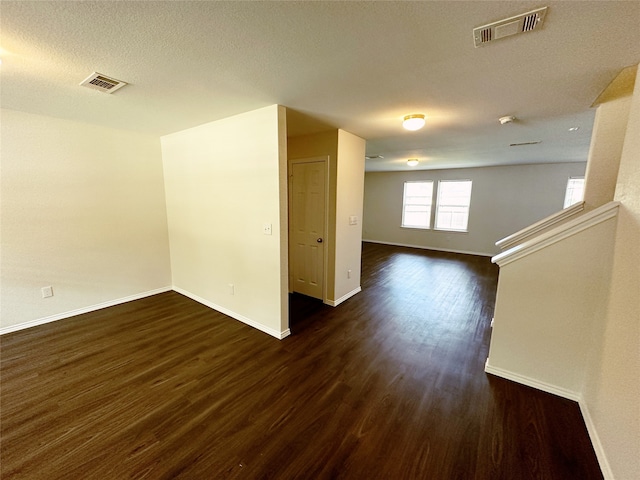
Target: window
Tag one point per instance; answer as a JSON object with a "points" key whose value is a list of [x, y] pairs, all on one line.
{"points": [[452, 210], [416, 204], [575, 191]]}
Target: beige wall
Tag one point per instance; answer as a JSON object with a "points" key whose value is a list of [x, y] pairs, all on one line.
{"points": [[324, 144], [283, 185], [609, 132], [503, 201], [349, 203], [83, 211], [345, 154], [223, 182], [567, 317], [612, 388], [547, 305]]}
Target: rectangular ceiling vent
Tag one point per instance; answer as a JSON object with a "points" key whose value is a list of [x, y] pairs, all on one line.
{"points": [[100, 82], [524, 22]]}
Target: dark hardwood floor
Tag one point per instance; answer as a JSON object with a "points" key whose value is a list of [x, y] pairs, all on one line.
{"points": [[388, 385]]}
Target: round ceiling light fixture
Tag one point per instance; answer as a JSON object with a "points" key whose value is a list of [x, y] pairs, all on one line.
{"points": [[412, 162], [506, 119], [413, 122]]}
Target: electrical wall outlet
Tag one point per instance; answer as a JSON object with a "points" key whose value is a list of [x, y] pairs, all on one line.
{"points": [[266, 229], [47, 291]]}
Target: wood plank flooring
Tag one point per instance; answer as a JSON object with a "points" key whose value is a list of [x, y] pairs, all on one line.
{"points": [[388, 385]]}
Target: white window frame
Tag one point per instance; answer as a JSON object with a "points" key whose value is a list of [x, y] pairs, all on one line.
{"points": [[440, 207], [569, 193], [429, 206]]}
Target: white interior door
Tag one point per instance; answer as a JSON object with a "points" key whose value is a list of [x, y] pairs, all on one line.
{"points": [[307, 240]]}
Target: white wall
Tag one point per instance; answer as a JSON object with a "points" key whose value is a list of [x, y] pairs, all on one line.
{"points": [[83, 211], [612, 388], [349, 202], [224, 180], [503, 201]]}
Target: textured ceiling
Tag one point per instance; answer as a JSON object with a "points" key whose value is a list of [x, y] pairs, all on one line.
{"points": [[359, 66]]}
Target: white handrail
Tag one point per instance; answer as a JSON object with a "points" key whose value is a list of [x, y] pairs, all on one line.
{"points": [[565, 230], [527, 232]]}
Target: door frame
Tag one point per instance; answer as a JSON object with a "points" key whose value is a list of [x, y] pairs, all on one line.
{"points": [[327, 240]]}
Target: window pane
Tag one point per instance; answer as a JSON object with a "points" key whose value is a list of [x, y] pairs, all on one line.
{"points": [[575, 191], [454, 199], [418, 189], [416, 207]]}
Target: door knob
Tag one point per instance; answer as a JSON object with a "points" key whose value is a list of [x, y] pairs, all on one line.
{"points": [[319, 240]]}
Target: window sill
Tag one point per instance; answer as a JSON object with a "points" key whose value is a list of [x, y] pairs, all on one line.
{"points": [[449, 230], [415, 228]]}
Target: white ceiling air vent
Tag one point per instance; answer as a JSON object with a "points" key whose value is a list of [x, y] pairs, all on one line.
{"points": [[524, 22], [100, 82]]}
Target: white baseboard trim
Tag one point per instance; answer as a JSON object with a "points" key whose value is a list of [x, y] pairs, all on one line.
{"points": [[531, 382], [237, 316], [80, 311], [568, 394], [422, 247], [335, 303], [607, 473]]}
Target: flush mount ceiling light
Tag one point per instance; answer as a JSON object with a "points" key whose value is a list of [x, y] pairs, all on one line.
{"points": [[412, 162], [574, 129], [506, 119], [413, 122]]}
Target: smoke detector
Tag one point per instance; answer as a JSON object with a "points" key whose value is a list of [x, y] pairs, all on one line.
{"points": [[100, 82], [506, 119], [525, 22]]}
